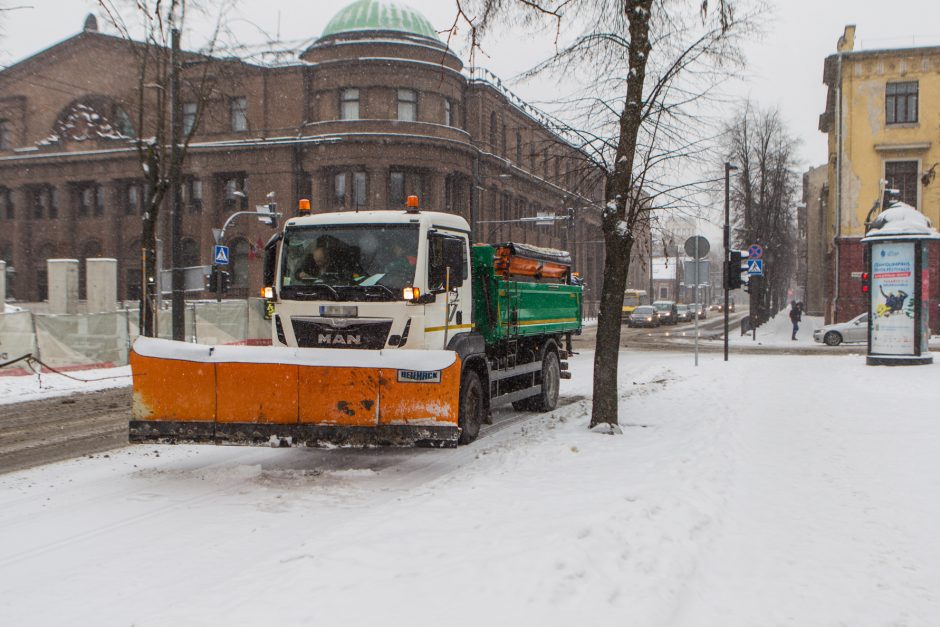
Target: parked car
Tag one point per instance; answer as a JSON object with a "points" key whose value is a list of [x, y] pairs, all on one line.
{"points": [[698, 307], [666, 310], [683, 313], [643, 316], [855, 330]]}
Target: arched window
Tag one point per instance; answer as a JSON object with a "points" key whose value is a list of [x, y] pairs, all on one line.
{"points": [[239, 261], [190, 253], [91, 117]]}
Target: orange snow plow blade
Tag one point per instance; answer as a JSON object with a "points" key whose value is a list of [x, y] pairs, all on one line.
{"points": [[293, 397]]}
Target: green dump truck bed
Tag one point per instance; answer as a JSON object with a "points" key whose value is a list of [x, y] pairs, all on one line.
{"points": [[507, 308]]}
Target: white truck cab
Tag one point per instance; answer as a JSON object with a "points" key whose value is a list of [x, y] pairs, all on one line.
{"points": [[370, 280]]}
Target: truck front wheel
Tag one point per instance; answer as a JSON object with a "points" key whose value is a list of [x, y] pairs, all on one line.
{"points": [[470, 413]]}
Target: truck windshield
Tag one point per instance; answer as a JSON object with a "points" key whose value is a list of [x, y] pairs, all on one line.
{"points": [[348, 262]]}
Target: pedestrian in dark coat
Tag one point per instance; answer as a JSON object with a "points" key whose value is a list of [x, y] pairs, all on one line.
{"points": [[796, 315]]}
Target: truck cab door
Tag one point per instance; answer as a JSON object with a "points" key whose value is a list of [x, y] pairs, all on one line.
{"points": [[449, 279]]}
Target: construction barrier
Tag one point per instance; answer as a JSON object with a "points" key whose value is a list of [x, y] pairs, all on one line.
{"points": [[81, 341], [17, 338]]}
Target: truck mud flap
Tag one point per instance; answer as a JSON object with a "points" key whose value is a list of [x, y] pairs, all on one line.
{"points": [[263, 395], [251, 434]]}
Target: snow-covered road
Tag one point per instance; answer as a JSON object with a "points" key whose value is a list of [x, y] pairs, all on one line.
{"points": [[769, 490]]}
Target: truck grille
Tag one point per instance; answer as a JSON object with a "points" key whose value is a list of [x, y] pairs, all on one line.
{"points": [[341, 333]]}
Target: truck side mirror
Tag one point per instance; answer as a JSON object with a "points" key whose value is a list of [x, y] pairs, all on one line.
{"points": [[270, 260]]}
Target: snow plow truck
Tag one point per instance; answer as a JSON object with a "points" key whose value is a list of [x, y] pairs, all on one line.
{"points": [[387, 328]]}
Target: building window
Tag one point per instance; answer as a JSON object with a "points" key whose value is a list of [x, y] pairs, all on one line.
{"points": [[6, 135], [448, 113], [189, 117], [407, 105], [89, 199], [396, 189], [238, 107], [902, 176], [901, 103], [349, 104], [44, 200], [133, 198], [190, 250], [663, 293], [339, 189], [234, 192], [6, 203], [518, 148], [493, 131], [240, 249], [191, 192], [359, 190], [350, 190]]}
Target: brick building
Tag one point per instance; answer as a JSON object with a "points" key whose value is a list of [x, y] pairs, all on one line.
{"points": [[375, 109]]}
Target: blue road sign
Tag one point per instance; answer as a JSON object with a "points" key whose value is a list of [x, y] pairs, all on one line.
{"points": [[755, 267], [221, 255], [754, 251]]}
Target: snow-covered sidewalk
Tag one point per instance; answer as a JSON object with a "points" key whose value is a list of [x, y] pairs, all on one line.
{"points": [[17, 389], [768, 490]]}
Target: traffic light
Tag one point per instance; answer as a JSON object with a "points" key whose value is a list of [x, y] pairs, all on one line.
{"points": [[212, 281], [733, 270], [866, 283]]}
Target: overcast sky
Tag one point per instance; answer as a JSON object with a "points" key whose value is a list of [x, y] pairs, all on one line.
{"points": [[785, 66]]}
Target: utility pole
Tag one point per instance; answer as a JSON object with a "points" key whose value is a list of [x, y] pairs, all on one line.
{"points": [[176, 216], [727, 242]]}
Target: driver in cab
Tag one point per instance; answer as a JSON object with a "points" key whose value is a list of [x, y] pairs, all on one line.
{"points": [[316, 264]]}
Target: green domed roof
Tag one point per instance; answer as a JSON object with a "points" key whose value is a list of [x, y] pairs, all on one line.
{"points": [[365, 15]]}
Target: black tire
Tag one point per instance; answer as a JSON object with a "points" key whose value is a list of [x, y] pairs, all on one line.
{"points": [[547, 399], [832, 339], [470, 412]]}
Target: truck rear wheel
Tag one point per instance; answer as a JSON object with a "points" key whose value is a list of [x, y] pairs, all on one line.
{"points": [[470, 413], [547, 399]]}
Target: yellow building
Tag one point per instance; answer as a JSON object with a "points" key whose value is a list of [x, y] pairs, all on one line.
{"points": [[883, 121]]}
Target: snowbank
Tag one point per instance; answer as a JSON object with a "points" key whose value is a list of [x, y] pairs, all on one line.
{"points": [[17, 389]]}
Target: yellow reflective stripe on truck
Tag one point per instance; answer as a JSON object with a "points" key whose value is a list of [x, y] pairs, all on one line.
{"points": [[450, 327], [552, 321]]}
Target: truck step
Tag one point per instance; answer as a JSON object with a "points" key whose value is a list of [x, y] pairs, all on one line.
{"points": [[563, 365], [564, 374]]}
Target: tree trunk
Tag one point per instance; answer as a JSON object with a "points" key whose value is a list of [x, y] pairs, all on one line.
{"points": [[148, 269], [618, 223]]}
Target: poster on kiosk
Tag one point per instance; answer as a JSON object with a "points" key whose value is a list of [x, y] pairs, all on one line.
{"points": [[892, 300]]}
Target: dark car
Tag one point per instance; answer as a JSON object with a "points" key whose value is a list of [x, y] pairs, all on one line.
{"points": [[643, 316], [666, 309], [699, 308]]}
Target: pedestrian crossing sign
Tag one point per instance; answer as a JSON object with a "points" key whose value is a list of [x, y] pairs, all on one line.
{"points": [[221, 255], [755, 267]]}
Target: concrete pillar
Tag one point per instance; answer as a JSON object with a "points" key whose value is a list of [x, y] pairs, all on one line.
{"points": [[3, 282], [101, 284], [63, 286]]}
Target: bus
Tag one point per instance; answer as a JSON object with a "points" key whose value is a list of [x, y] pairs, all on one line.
{"points": [[633, 299]]}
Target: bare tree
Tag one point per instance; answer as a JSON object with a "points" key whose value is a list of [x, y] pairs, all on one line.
{"points": [[647, 68], [763, 199], [148, 27]]}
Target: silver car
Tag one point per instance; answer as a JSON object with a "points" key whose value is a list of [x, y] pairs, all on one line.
{"points": [[855, 330]]}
